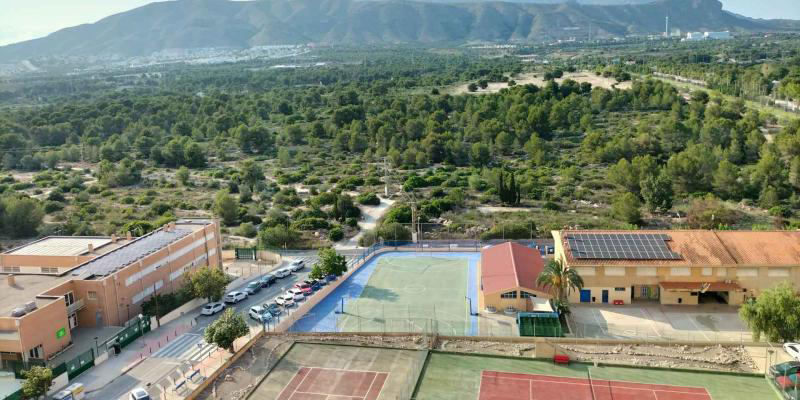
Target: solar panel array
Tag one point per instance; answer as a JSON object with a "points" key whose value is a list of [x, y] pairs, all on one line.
{"points": [[123, 256], [621, 246]]}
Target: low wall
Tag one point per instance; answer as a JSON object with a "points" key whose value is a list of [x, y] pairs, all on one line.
{"points": [[178, 312], [214, 375], [262, 255]]}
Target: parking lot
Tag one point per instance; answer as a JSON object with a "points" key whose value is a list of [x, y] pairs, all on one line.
{"points": [[652, 321]]}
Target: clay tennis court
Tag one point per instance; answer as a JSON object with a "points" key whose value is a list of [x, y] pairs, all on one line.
{"points": [[333, 384], [512, 386]]}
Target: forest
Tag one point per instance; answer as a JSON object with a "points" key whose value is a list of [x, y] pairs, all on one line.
{"points": [[290, 156]]}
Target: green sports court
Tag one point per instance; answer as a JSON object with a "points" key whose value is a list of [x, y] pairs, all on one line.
{"points": [[402, 292]]}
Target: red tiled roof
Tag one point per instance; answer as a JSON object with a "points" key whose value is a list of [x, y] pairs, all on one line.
{"points": [[712, 286], [509, 265]]}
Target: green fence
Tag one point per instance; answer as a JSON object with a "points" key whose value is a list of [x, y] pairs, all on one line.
{"points": [[14, 396], [133, 332], [539, 324], [245, 254], [81, 363]]}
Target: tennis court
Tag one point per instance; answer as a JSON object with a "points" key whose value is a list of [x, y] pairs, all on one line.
{"points": [[325, 383], [497, 385], [451, 376], [402, 292], [311, 371]]}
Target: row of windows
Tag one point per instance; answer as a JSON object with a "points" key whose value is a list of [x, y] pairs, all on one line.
{"points": [[172, 257], [513, 295]]}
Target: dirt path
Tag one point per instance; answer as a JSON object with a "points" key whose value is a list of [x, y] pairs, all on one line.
{"points": [[369, 219]]}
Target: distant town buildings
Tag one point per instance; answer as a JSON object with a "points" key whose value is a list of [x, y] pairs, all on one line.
{"points": [[696, 36]]}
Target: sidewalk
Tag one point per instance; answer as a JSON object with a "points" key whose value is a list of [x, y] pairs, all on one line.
{"points": [[103, 374]]}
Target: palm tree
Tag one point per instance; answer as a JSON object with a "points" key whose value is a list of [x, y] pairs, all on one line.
{"points": [[559, 279]]}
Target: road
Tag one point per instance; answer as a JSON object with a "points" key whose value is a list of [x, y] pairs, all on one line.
{"points": [[190, 347]]}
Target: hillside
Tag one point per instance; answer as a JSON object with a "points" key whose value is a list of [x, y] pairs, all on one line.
{"points": [[221, 23]]}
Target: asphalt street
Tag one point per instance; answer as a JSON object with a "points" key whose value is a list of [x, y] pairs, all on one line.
{"points": [[190, 347]]}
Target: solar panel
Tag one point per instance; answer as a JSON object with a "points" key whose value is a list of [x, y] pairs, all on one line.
{"points": [[123, 256], [621, 246]]}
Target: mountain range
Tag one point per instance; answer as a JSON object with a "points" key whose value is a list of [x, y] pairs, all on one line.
{"points": [[184, 24]]}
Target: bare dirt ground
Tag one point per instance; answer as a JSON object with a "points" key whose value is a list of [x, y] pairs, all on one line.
{"points": [[718, 358], [245, 373], [536, 79], [369, 219]]}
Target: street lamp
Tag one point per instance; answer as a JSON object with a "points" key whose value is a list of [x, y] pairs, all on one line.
{"points": [[96, 347], [128, 307]]}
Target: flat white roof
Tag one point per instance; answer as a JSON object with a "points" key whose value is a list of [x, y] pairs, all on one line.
{"points": [[60, 246]]}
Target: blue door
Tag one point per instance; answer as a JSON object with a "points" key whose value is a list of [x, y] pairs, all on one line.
{"points": [[605, 296], [586, 296]]}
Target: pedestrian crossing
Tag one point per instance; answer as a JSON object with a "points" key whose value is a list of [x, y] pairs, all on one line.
{"points": [[187, 347]]}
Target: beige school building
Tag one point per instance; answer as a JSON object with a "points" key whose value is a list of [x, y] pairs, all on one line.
{"points": [[685, 267], [54, 285]]}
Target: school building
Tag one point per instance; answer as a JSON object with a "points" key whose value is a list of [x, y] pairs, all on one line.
{"points": [[678, 266], [56, 285]]}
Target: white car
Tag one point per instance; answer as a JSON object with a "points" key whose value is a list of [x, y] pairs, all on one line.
{"points": [[235, 297], [285, 300], [260, 314], [212, 308], [139, 394], [793, 349], [283, 272], [297, 265], [296, 294]]}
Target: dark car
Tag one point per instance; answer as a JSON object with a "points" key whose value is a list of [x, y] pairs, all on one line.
{"points": [[785, 368], [253, 287], [314, 284], [330, 278], [273, 308], [267, 280]]}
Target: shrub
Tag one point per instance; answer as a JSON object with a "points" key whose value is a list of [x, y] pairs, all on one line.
{"points": [[336, 234], [369, 199]]}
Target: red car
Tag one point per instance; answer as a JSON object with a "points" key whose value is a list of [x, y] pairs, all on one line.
{"points": [[305, 288]]}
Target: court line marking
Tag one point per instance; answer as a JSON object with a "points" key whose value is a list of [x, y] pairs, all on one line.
{"points": [[689, 317], [384, 384], [570, 377], [649, 317], [587, 384]]}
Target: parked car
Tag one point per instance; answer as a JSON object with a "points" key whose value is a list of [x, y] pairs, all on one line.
{"points": [[273, 308], [296, 294], [212, 308], [322, 281], [267, 280], [793, 349], [283, 272], [305, 288], [330, 278], [315, 285], [139, 394], [784, 368], [286, 300], [297, 265], [235, 297], [260, 314], [253, 287]]}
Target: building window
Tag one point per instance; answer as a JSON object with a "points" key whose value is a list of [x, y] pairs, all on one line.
{"points": [[49, 270], [69, 298], [526, 295], [645, 291], [619, 289], [91, 295], [36, 352], [10, 269], [509, 295]]}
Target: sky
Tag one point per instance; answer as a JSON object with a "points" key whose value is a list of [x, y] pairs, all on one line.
{"points": [[28, 19]]}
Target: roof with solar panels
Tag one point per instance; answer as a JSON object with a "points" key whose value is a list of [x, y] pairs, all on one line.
{"points": [[680, 248]]}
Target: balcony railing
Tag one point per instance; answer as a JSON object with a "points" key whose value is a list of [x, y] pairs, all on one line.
{"points": [[77, 305]]}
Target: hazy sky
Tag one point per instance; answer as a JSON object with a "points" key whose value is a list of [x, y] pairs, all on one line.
{"points": [[28, 19]]}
